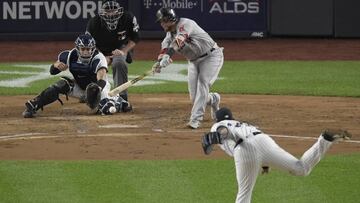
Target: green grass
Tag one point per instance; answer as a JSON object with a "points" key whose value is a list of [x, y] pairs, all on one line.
{"points": [[315, 78], [330, 78], [334, 180]]}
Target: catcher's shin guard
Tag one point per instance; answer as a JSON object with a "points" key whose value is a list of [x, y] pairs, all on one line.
{"points": [[49, 95]]}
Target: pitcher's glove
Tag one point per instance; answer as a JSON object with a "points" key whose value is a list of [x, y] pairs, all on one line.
{"points": [[208, 140], [93, 94]]}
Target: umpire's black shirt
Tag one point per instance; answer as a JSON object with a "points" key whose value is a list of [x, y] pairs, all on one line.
{"points": [[106, 40]]}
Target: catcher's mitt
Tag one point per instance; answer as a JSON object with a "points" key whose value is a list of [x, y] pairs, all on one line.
{"points": [[93, 94]]}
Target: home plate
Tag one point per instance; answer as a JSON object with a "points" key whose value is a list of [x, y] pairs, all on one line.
{"points": [[157, 130], [118, 126]]}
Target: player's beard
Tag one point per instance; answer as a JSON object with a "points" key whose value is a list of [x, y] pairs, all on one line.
{"points": [[169, 28]]}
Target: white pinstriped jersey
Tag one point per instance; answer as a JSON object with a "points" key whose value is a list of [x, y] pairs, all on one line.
{"points": [[237, 130], [258, 150]]}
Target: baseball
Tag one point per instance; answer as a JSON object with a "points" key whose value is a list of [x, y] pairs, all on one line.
{"points": [[112, 109]]}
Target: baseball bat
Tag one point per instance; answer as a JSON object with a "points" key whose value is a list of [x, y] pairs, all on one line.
{"points": [[128, 84]]}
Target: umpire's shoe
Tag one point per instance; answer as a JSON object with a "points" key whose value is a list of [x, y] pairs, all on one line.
{"points": [[30, 110], [335, 135]]}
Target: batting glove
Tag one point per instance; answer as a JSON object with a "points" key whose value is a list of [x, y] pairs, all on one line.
{"points": [[165, 61]]}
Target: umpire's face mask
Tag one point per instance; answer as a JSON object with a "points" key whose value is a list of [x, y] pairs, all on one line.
{"points": [[110, 13]]}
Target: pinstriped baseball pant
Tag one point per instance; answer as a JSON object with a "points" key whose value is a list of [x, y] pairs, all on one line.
{"points": [[261, 150]]}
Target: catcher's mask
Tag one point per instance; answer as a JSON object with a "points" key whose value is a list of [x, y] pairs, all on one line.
{"points": [[223, 114], [110, 12], [166, 15], [85, 47]]}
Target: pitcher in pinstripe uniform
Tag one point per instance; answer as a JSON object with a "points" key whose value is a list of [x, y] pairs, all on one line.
{"points": [[255, 152]]}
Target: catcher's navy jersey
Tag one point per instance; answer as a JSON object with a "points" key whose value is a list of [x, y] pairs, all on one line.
{"points": [[83, 73]]}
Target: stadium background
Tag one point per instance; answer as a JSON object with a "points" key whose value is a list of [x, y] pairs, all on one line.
{"points": [[250, 30]]}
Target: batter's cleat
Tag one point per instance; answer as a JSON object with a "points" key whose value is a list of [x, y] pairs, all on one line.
{"points": [[215, 104], [335, 135], [193, 124], [30, 110]]}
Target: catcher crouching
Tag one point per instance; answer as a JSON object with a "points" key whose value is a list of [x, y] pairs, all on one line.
{"points": [[89, 70]]}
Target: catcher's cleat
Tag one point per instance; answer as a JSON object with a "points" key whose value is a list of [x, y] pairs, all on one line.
{"points": [[82, 99], [193, 124], [335, 135], [215, 104], [30, 110]]}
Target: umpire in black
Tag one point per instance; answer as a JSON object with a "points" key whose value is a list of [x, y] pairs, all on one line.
{"points": [[116, 33]]}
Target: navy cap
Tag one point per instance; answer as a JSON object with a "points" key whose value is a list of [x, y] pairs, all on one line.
{"points": [[223, 114]]}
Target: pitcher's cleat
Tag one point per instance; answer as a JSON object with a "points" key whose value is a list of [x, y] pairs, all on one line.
{"points": [[336, 135]]}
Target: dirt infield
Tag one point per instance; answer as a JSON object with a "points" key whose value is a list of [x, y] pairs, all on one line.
{"points": [[156, 128]]}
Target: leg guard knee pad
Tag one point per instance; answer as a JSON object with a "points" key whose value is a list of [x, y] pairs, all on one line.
{"points": [[51, 94]]}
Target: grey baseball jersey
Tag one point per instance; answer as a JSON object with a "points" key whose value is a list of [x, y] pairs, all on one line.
{"points": [[257, 150], [205, 60]]}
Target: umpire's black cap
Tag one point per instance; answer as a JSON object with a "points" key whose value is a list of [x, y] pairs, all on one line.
{"points": [[223, 114]]}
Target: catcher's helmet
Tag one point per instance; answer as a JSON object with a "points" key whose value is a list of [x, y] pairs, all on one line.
{"points": [[110, 12], [85, 46], [223, 114], [166, 14]]}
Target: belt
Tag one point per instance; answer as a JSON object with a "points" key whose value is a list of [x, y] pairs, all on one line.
{"points": [[207, 53], [241, 140]]}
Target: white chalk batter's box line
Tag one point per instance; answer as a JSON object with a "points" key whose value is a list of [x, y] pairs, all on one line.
{"points": [[26, 136]]}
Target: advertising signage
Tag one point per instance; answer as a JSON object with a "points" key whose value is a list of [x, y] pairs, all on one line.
{"points": [[64, 16], [212, 15], [47, 16]]}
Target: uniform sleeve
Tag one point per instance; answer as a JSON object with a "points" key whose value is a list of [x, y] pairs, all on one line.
{"points": [[228, 146], [133, 28], [63, 57], [90, 26], [166, 42], [99, 62], [185, 28]]}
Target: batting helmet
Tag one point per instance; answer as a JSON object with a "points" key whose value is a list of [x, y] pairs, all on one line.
{"points": [[223, 114], [166, 14], [85, 46], [111, 12]]}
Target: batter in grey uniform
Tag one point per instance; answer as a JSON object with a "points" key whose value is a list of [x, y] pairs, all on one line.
{"points": [[205, 60], [254, 151]]}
